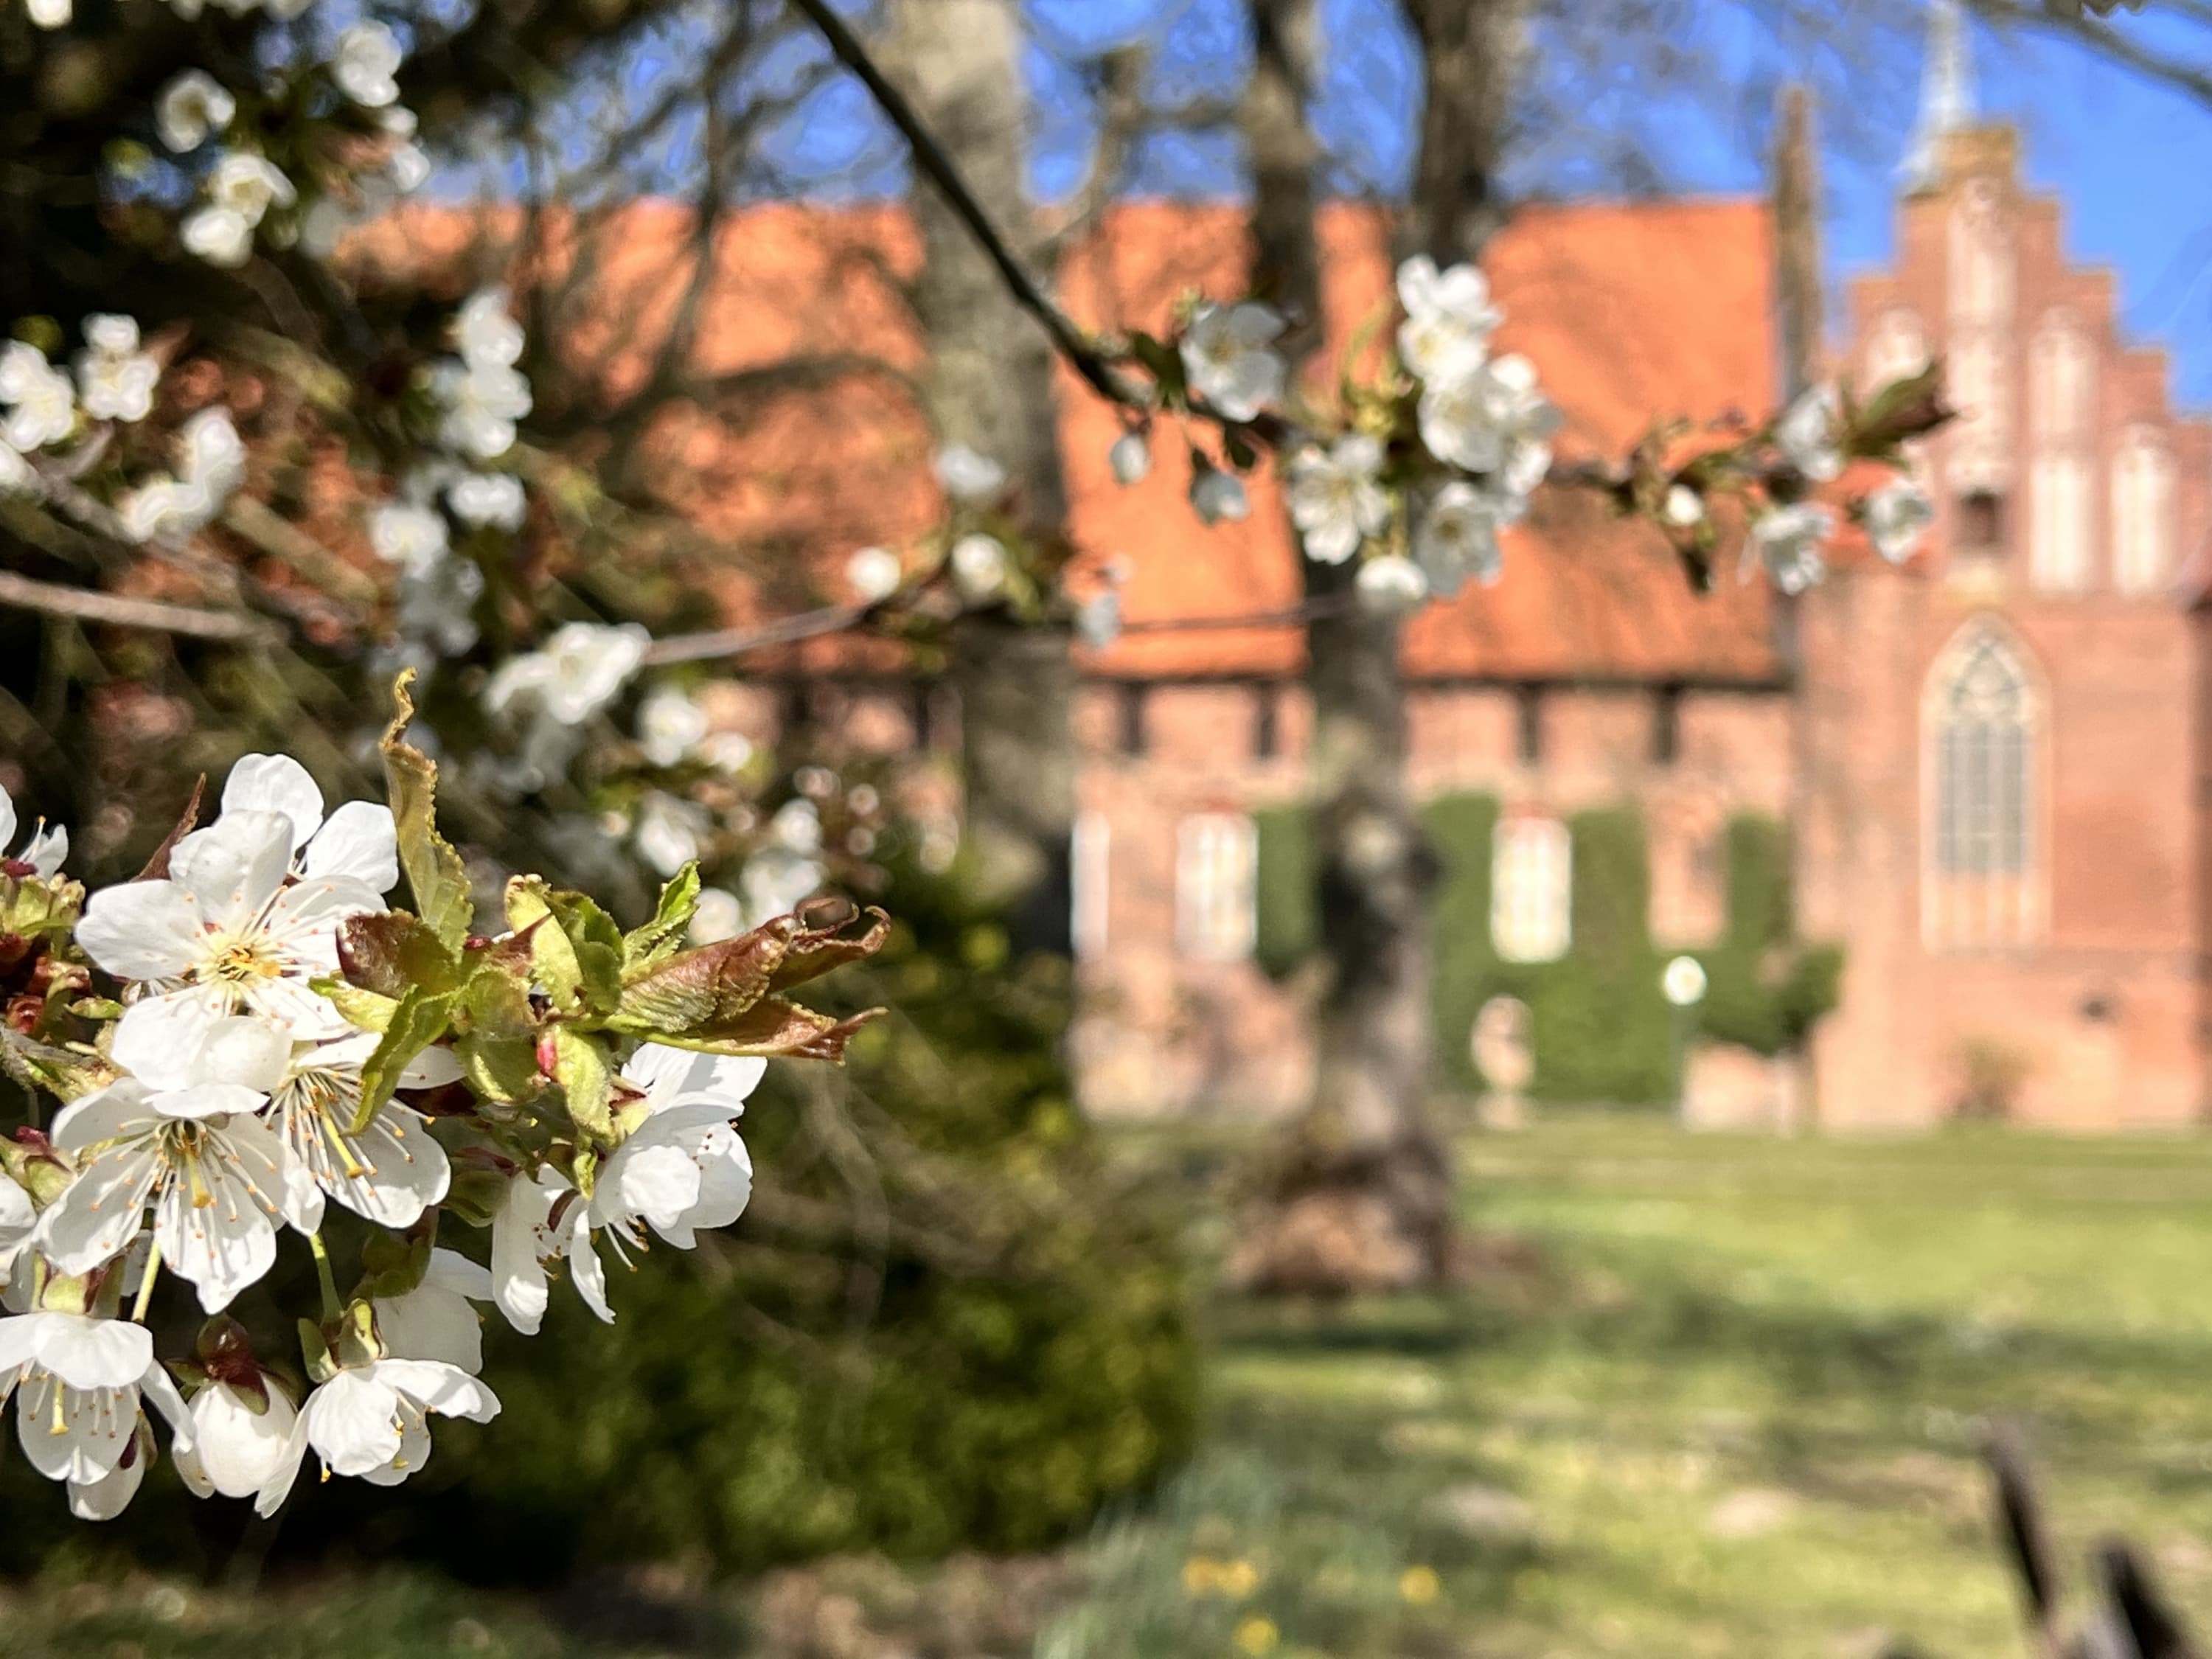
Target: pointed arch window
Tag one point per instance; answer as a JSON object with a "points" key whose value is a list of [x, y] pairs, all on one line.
{"points": [[1980, 757], [2143, 512], [2062, 380]]}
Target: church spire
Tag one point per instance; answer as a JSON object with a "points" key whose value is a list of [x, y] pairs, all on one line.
{"points": [[1946, 94]]}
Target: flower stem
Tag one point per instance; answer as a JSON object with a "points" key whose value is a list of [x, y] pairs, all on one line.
{"points": [[331, 1307], [146, 1285]]}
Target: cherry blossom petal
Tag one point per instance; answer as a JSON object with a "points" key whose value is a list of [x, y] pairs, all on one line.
{"points": [[99, 1213], [233, 868], [87, 1352], [237, 1450], [207, 1100], [221, 1248], [590, 1277], [159, 1039], [353, 1421], [106, 1498], [106, 1113], [74, 1434], [278, 1486], [446, 1389], [279, 784], [142, 929], [358, 841], [414, 1450]]}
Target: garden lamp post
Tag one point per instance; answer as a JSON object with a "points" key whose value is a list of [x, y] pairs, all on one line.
{"points": [[1683, 984]]}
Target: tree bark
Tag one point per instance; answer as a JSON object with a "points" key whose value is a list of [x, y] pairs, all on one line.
{"points": [[1360, 1194], [990, 387]]}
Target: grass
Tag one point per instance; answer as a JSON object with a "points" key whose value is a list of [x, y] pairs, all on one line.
{"points": [[1732, 1413]]}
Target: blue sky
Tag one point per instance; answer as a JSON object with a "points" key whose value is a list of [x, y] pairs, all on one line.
{"points": [[1688, 113], [2119, 152]]}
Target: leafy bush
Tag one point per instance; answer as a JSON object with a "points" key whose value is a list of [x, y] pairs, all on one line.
{"points": [[1288, 913], [938, 1326]]}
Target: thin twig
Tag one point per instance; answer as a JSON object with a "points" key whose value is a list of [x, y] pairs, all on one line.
{"points": [[929, 155], [737, 642], [156, 615]]}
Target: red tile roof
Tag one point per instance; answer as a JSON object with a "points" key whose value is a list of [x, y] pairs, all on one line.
{"points": [[1630, 313]]}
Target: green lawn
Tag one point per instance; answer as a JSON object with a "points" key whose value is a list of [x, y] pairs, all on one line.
{"points": [[1727, 1406]]}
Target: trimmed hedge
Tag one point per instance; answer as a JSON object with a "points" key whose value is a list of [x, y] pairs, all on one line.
{"points": [[1603, 1030]]}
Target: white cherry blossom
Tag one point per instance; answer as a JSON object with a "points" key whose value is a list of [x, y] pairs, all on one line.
{"points": [[682, 1169], [1131, 458], [17, 475], [1335, 499], [49, 14], [191, 109], [1683, 507], [484, 333], [481, 402], [366, 58], [359, 841], [1218, 497], [494, 499], [42, 854], [210, 454], [1897, 516], [413, 537], [436, 1320], [668, 831], [176, 1142], [1391, 584], [438, 605], [1808, 434], [1787, 540], [43, 405], [235, 1446], [1448, 318], [373, 1420], [391, 1171], [228, 929], [873, 573], [579, 671], [718, 915], [78, 1381], [967, 476], [1227, 359], [1472, 420], [979, 568], [115, 379], [249, 185], [669, 725], [1455, 540]]}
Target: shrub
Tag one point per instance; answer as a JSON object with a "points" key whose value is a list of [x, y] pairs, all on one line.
{"points": [[938, 1327]]}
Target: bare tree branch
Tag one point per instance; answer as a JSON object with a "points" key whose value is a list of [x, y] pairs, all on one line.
{"points": [[158, 615]]}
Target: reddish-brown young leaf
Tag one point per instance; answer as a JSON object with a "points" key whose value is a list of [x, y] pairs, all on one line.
{"points": [[157, 867], [816, 948]]}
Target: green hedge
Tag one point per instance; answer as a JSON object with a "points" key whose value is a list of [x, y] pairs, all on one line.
{"points": [[999, 1348], [1601, 1028]]}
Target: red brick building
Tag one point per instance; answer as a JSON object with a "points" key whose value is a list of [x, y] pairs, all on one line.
{"points": [[1994, 760]]}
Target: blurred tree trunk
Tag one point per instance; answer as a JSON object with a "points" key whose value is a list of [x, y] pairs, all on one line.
{"points": [[989, 387], [1360, 1195]]}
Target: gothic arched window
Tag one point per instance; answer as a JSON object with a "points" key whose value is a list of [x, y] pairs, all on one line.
{"points": [[1979, 737], [2062, 380], [2143, 512]]}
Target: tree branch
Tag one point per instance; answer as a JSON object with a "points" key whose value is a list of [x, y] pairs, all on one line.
{"points": [[156, 615]]}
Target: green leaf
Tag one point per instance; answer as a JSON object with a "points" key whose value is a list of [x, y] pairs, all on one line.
{"points": [[713, 982], [368, 1010], [435, 873], [418, 1019], [581, 1067], [658, 939], [498, 1047], [579, 958], [391, 951]]}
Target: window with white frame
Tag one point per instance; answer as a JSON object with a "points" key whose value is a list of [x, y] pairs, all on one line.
{"points": [[1089, 859], [2143, 512], [2062, 522], [1531, 889], [2062, 380], [1216, 880], [1980, 738]]}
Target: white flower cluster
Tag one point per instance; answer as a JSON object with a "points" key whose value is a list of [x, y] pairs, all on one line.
{"points": [[43, 409], [241, 188], [479, 395], [1480, 413], [233, 1116], [547, 695], [1787, 537]]}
